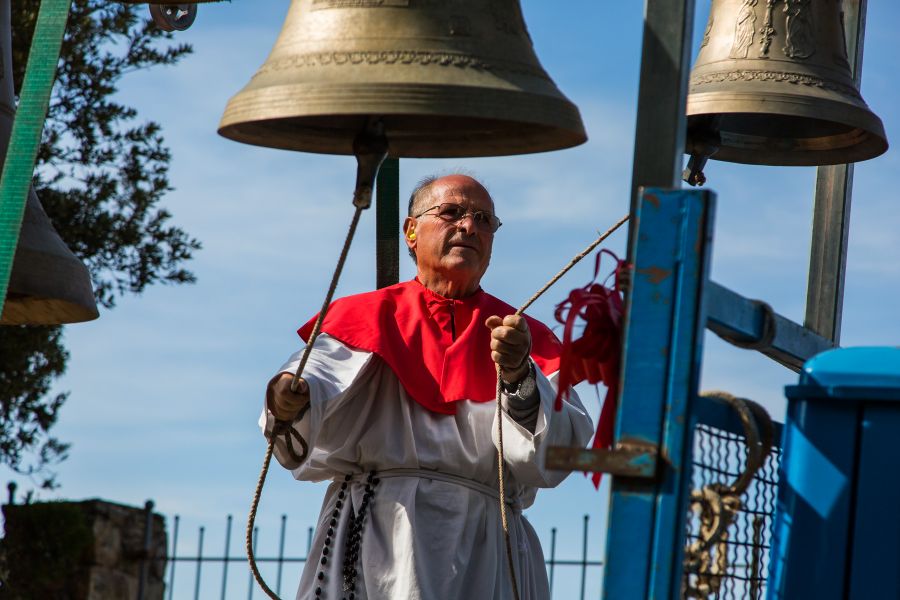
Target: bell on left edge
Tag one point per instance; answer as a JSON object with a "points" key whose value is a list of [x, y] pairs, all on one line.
{"points": [[48, 285]]}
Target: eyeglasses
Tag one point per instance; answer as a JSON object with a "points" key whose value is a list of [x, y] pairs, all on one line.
{"points": [[452, 213]]}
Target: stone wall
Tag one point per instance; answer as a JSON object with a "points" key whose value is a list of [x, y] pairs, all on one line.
{"points": [[89, 550]]}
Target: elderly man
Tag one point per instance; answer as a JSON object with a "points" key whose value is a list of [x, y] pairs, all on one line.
{"points": [[397, 410]]}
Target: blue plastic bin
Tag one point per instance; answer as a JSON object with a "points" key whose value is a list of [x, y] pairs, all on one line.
{"points": [[837, 524]]}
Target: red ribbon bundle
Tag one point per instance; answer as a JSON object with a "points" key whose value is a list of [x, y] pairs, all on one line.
{"points": [[596, 356]]}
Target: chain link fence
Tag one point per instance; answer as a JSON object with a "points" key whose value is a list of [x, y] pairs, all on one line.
{"points": [[738, 564]]}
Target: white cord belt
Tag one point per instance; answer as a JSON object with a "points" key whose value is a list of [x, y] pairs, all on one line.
{"points": [[514, 503]]}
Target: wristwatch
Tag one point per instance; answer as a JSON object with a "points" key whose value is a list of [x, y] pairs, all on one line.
{"points": [[524, 388]]}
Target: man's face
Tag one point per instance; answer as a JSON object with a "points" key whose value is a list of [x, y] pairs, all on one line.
{"points": [[452, 251]]}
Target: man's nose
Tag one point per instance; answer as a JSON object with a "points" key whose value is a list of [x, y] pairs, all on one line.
{"points": [[466, 223]]}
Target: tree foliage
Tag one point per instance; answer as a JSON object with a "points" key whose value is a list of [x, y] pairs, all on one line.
{"points": [[100, 175]]}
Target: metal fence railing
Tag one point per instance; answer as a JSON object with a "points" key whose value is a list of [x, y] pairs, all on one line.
{"points": [[188, 574]]}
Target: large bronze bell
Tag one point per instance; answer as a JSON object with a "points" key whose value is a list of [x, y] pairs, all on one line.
{"points": [[772, 85], [445, 79], [48, 284]]}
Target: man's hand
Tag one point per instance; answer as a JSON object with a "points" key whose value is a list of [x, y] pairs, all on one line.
{"points": [[510, 346], [284, 403]]}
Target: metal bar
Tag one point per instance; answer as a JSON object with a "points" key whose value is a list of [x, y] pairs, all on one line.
{"points": [[831, 215], [621, 461], [199, 564], [387, 223], [34, 100], [301, 559], [239, 559], [250, 576], [660, 132], [731, 315], [148, 543], [662, 98], [227, 555], [756, 559], [174, 557], [552, 556], [309, 534], [550, 563], [280, 555], [661, 358], [584, 545]]}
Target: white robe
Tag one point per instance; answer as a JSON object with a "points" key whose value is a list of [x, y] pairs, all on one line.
{"points": [[430, 532]]}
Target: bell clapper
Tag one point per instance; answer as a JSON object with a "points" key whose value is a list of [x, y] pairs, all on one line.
{"points": [[370, 148], [693, 173], [702, 144]]}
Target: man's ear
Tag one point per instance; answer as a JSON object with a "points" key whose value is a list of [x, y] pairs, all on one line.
{"points": [[409, 232]]}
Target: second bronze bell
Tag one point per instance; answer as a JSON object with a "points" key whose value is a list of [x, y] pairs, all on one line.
{"points": [[447, 79], [772, 85]]}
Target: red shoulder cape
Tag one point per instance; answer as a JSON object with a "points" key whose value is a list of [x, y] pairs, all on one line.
{"points": [[438, 347]]}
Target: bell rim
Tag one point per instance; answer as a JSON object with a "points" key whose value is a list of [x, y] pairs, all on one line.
{"points": [[392, 101], [48, 288], [856, 116], [45, 311]]}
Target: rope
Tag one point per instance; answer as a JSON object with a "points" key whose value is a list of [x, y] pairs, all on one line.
{"points": [[334, 281], [572, 263], [251, 519], [502, 493], [758, 434], [283, 426], [500, 457]]}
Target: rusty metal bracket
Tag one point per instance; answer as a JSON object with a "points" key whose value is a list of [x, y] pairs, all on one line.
{"points": [[627, 459]]}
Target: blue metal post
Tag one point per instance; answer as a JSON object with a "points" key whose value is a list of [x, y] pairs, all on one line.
{"points": [[661, 363]]}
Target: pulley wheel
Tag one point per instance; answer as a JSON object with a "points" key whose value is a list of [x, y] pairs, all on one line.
{"points": [[173, 17]]}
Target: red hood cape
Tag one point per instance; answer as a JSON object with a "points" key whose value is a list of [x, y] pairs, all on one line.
{"points": [[438, 347]]}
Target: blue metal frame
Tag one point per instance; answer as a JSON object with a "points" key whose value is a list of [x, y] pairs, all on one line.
{"points": [[661, 363], [716, 414], [666, 318]]}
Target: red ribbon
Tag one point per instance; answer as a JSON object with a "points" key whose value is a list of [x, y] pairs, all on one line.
{"points": [[596, 356]]}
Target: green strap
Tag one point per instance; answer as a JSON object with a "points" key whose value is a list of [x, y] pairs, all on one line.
{"points": [[18, 168]]}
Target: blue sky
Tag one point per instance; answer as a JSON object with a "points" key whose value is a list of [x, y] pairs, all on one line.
{"points": [[166, 388]]}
